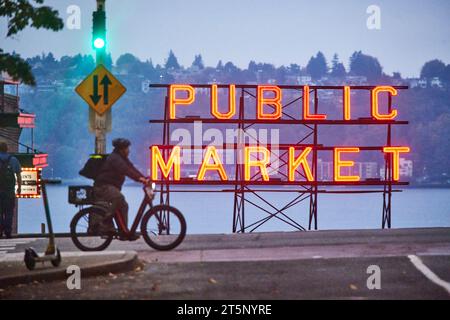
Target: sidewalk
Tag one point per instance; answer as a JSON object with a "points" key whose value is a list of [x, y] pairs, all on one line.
{"points": [[297, 253], [13, 270]]}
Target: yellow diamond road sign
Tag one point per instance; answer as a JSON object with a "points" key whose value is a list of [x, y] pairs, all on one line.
{"points": [[100, 89]]}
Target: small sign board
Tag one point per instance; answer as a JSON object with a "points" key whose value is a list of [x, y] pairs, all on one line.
{"points": [[100, 90], [31, 183]]}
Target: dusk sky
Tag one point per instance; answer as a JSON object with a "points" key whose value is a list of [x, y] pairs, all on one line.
{"points": [[279, 32]]}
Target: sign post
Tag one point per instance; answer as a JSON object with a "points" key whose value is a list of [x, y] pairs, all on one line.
{"points": [[100, 121]]}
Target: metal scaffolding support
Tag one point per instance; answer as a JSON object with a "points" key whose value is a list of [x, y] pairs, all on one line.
{"points": [[251, 194]]}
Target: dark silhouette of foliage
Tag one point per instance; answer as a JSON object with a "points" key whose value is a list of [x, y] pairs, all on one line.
{"points": [[198, 62], [365, 65], [172, 62], [20, 14], [317, 66], [433, 68], [337, 68]]}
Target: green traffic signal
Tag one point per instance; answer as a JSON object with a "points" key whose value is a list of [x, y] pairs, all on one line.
{"points": [[99, 43], [99, 29]]}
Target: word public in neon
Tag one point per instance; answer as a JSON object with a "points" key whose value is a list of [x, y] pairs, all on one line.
{"points": [[268, 106], [166, 163]]}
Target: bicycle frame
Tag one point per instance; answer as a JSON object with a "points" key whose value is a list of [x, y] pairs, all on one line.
{"points": [[119, 219]]}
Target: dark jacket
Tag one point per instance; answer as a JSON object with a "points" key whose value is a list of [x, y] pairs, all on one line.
{"points": [[114, 170]]}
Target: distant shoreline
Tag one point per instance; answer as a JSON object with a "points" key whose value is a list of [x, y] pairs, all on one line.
{"points": [[131, 183], [430, 186]]}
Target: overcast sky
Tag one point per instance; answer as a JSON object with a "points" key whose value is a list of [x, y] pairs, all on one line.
{"points": [[279, 32]]}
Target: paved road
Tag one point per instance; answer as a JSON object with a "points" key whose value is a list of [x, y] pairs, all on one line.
{"points": [[414, 264]]}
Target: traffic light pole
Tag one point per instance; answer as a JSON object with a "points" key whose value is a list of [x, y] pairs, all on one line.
{"points": [[100, 124]]}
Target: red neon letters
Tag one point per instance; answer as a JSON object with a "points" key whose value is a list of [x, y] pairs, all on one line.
{"points": [[395, 151], [166, 164], [231, 102], [338, 164], [306, 113], [259, 157], [375, 111], [275, 102], [173, 100]]}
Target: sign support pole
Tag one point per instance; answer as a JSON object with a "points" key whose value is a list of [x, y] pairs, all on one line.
{"points": [[100, 121]]}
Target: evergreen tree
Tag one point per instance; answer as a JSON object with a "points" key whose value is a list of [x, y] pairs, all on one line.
{"points": [[317, 66], [198, 62], [252, 66], [337, 68], [172, 62]]}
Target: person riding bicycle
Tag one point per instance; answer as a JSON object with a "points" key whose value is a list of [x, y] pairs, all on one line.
{"points": [[108, 183]]}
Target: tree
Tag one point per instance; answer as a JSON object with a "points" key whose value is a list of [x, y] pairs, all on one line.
{"points": [[108, 62], [198, 62], [294, 69], [281, 73], [446, 75], [129, 63], [49, 61], [126, 59], [21, 14], [397, 75], [229, 67], [317, 66], [433, 68], [172, 62], [365, 65], [334, 61], [231, 72], [87, 65], [252, 66], [148, 70], [219, 65], [337, 68]]}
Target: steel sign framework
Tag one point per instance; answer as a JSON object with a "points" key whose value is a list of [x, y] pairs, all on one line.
{"points": [[247, 190]]}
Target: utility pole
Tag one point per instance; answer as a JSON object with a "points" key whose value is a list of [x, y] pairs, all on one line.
{"points": [[99, 124]]}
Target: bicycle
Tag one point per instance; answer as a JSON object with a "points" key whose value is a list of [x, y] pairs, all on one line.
{"points": [[163, 227]]}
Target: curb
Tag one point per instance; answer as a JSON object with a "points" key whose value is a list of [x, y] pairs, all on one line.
{"points": [[128, 262]]}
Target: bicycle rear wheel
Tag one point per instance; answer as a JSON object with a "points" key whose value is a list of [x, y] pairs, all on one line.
{"points": [[83, 232], [163, 227]]}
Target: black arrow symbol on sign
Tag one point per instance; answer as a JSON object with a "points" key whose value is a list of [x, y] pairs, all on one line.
{"points": [[95, 97], [105, 83]]}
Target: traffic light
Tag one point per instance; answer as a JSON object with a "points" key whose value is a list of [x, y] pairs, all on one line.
{"points": [[98, 29]]}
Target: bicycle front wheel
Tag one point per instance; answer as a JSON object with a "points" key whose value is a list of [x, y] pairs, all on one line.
{"points": [[163, 227], [83, 233]]}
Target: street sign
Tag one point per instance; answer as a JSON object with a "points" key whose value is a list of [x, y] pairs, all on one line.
{"points": [[100, 90], [31, 183]]}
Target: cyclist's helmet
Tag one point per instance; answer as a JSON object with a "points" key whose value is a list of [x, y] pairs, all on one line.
{"points": [[121, 143]]}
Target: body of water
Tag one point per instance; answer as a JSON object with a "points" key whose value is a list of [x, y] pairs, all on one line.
{"points": [[213, 212]]}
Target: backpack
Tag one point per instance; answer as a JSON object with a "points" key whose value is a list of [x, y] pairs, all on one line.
{"points": [[7, 175], [92, 167]]}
